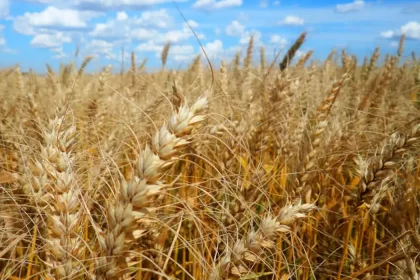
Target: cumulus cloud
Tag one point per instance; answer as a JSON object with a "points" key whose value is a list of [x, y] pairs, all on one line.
{"points": [[111, 30], [299, 54], [156, 19], [235, 29], [58, 53], [175, 36], [387, 34], [191, 23], [2, 39], [246, 36], [176, 52], [50, 41], [121, 16], [146, 27], [141, 34], [214, 49], [53, 18], [181, 52], [4, 9], [350, 7], [149, 46], [411, 31], [277, 40], [106, 5], [100, 47], [292, 20], [216, 4], [53, 27]]}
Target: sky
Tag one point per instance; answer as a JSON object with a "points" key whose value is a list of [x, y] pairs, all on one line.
{"points": [[36, 32]]}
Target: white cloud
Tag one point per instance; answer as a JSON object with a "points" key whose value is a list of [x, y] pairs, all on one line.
{"points": [[122, 16], [181, 53], [102, 5], [2, 39], [216, 4], [276, 3], [411, 31], [191, 23], [143, 34], [263, 3], [177, 36], [112, 30], [53, 27], [100, 47], [50, 41], [214, 49], [149, 46], [387, 34], [350, 7], [278, 40], [143, 28], [58, 53], [157, 19], [235, 29], [53, 18], [300, 53], [4, 8], [292, 20], [246, 36], [176, 52], [147, 30], [217, 31]]}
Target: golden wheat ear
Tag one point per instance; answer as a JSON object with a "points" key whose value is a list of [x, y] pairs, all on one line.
{"points": [[125, 211]]}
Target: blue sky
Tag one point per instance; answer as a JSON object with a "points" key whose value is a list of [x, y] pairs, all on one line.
{"points": [[36, 32]]}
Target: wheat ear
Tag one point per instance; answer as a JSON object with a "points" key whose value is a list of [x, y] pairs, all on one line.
{"points": [[134, 193]]}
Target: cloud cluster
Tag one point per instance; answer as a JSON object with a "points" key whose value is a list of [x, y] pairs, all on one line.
{"points": [[125, 28], [292, 20], [104, 5], [350, 7], [54, 27], [2, 39], [4, 9], [103, 27], [216, 4], [235, 29], [214, 50], [278, 40], [53, 19], [411, 31]]}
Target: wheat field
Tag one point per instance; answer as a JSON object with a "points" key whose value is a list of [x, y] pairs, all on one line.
{"points": [[286, 169]]}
